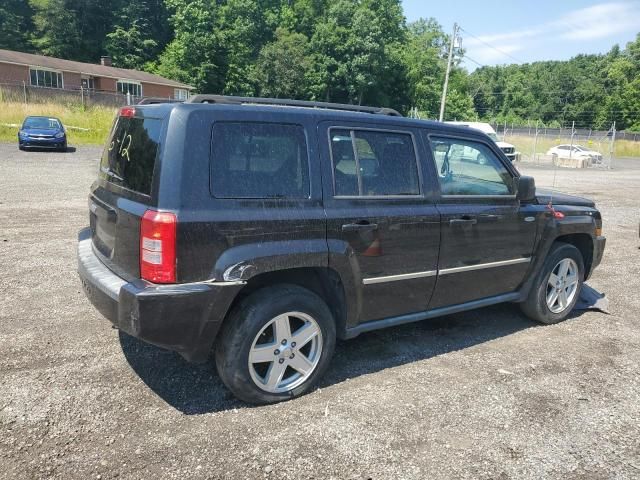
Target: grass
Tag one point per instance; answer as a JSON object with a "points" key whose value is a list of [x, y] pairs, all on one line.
{"points": [[96, 119], [526, 145]]}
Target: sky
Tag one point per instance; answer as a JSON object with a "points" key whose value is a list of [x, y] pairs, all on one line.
{"points": [[517, 31]]}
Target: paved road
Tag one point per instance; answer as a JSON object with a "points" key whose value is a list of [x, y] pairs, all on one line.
{"points": [[478, 395]]}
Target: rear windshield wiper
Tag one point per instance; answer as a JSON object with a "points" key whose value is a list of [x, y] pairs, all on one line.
{"points": [[111, 173]]}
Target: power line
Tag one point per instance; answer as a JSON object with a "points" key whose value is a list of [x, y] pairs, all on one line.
{"points": [[472, 60], [491, 46]]}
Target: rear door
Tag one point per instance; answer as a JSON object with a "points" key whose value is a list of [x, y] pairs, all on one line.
{"points": [[124, 190], [380, 216], [487, 238]]}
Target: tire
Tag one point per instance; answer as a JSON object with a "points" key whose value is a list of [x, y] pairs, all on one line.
{"points": [[541, 308], [252, 328], [21, 148]]}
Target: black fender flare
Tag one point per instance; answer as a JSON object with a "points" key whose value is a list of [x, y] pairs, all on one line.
{"points": [[241, 263], [554, 228]]}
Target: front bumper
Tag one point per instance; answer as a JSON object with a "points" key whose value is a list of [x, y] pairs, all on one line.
{"points": [[513, 157], [29, 142], [598, 251], [181, 317]]}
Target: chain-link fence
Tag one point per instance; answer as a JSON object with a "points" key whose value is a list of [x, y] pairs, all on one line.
{"points": [[86, 97], [570, 147]]}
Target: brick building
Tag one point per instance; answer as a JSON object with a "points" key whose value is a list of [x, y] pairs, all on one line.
{"points": [[18, 68]]}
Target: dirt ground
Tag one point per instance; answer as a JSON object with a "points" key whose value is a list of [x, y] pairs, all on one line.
{"points": [[478, 395]]}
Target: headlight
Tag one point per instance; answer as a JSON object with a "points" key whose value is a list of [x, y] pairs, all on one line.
{"points": [[22, 133], [59, 135]]}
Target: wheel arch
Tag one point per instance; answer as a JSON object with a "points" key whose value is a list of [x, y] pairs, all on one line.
{"points": [[323, 281], [584, 243]]}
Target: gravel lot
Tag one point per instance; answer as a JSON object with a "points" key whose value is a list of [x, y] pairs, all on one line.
{"points": [[479, 395]]}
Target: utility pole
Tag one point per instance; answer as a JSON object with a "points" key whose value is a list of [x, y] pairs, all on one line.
{"points": [[446, 76]]}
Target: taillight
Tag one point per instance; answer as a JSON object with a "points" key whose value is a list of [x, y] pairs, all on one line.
{"points": [[128, 112], [158, 247]]}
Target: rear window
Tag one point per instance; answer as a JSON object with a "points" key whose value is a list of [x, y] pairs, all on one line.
{"points": [[130, 155], [259, 160]]}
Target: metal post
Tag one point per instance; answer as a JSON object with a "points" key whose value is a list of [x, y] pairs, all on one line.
{"points": [[535, 144], [446, 76], [612, 144], [24, 91], [573, 125], [504, 131]]}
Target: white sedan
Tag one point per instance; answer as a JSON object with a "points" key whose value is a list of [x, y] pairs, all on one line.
{"points": [[575, 151]]}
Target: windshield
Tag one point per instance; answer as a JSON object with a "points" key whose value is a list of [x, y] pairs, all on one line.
{"points": [[580, 148], [42, 122], [493, 137]]}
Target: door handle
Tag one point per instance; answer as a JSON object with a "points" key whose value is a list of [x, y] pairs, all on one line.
{"points": [[359, 227], [463, 221]]}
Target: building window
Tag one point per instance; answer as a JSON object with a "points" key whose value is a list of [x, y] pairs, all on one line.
{"points": [[88, 83], [45, 78], [127, 86], [180, 93]]}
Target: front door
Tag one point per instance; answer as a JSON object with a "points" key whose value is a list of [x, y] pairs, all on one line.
{"points": [[379, 217], [487, 238]]}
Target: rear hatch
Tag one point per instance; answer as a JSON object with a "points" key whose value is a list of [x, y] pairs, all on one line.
{"points": [[124, 189]]}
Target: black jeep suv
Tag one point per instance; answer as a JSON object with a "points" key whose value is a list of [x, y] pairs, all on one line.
{"points": [[262, 230]]}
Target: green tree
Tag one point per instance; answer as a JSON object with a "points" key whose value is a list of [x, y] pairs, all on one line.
{"points": [[283, 65], [140, 33], [72, 29], [15, 25], [423, 55], [195, 55]]}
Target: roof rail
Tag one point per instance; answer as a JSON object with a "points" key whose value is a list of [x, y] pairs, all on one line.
{"points": [[157, 100], [230, 100]]}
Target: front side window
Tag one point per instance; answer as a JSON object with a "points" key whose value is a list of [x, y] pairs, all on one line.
{"points": [[469, 168], [131, 88], [373, 163], [259, 160], [45, 78]]}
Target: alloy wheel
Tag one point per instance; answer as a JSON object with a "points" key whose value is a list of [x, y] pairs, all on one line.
{"points": [[562, 285], [285, 352]]}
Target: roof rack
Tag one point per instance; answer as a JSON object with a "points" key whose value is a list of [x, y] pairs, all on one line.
{"points": [[157, 100], [230, 100]]}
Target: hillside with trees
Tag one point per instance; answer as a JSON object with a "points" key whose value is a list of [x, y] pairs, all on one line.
{"points": [[353, 51]]}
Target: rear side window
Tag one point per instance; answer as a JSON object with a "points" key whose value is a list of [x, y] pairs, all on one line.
{"points": [[373, 163], [130, 155], [259, 160]]}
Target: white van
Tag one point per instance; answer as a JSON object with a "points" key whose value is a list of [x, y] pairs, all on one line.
{"points": [[508, 149]]}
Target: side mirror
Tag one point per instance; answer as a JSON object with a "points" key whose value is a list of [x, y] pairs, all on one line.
{"points": [[526, 192]]}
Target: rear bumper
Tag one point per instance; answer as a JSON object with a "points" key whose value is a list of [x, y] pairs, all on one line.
{"points": [[182, 317]]}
